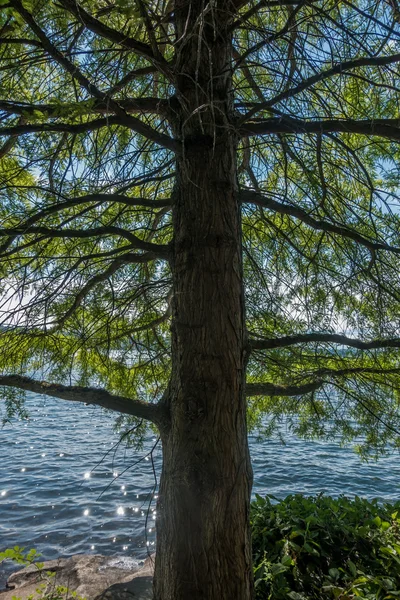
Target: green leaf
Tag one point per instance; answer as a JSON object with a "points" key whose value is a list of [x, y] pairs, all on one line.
{"points": [[334, 573], [352, 568]]}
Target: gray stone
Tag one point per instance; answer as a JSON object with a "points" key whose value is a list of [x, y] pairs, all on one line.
{"points": [[91, 576], [139, 588]]}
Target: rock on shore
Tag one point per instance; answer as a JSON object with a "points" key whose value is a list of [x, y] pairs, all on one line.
{"points": [[95, 577]]}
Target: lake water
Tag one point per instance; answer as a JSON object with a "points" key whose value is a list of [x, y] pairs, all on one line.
{"points": [[65, 488]]}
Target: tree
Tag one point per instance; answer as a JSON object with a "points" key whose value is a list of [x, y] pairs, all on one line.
{"points": [[199, 204]]}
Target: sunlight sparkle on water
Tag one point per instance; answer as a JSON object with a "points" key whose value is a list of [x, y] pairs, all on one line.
{"points": [[87, 475], [120, 510], [3, 493], [86, 512]]}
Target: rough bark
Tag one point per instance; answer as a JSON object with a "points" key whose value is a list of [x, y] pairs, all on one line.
{"points": [[203, 537]]}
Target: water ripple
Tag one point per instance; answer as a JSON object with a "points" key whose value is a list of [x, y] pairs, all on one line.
{"points": [[53, 500]]}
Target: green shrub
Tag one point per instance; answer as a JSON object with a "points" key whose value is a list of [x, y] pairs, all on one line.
{"points": [[316, 548], [324, 548]]}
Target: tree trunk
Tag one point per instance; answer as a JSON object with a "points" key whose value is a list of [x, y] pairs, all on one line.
{"points": [[203, 537]]}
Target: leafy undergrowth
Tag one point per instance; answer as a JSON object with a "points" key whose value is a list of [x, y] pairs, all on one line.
{"points": [[324, 548]]}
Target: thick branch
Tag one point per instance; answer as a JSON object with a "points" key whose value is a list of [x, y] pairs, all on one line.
{"points": [[387, 128], [158, 249], [102, 107], [335, 70], [96, 198], [122, 199], [252, 197], [79, 200], [99, 397], [328, 338], [26, 41], [261, 4], [115, 36], [131, 122], [271, 389], [101, 197]]}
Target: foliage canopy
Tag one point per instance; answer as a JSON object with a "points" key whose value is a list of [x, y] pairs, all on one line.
{"points": [[87, 173]]}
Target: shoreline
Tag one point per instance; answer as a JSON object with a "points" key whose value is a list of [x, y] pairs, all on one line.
{"points": [[91, 576]]}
